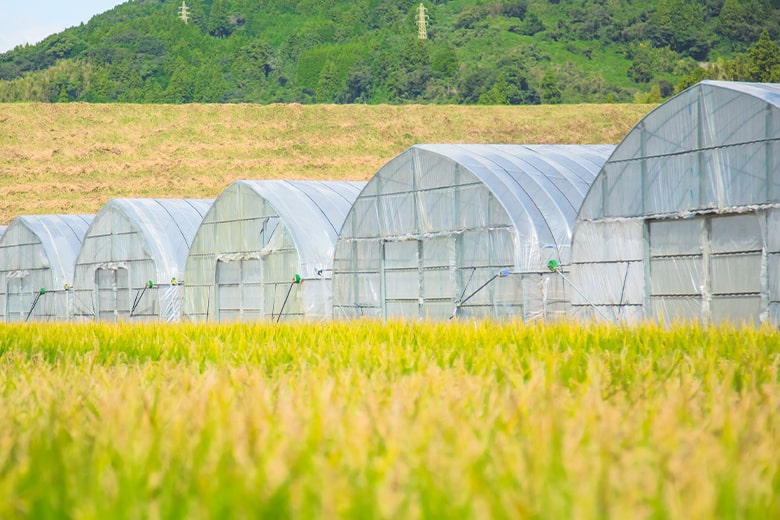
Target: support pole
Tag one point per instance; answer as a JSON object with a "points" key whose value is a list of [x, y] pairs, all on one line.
{"points": [[501, 274], [34, 303]]}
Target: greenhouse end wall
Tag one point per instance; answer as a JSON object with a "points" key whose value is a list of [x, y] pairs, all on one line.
{"points": [[37, 255], [444, 231], [131, 264], [265, 251], [682, 222]]}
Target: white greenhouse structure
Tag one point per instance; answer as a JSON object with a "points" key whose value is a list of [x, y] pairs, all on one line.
{"points": [[37, 255], [131, 264], [265, 251], [683, 222], [446, 231]]}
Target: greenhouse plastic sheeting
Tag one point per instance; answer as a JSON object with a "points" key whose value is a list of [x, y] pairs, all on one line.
{"points": [[37, 255], [131, 264], [464, 230], [681, 223], [253, 242]]}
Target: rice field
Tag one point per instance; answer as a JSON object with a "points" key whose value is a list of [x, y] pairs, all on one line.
{"points": [[397, 420]]}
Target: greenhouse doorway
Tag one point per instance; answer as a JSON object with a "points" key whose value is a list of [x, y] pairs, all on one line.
{"points": [[239, 290], [19, 298], [113, 294], [416, 278], [706, 268]]}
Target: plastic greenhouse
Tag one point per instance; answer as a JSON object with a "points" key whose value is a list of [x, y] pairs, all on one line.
{"points": [[463, 230], [683, 222], [265, 251], [37, 255], [131, 264]]}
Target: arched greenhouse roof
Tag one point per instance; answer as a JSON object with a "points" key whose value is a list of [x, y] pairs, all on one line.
{"points": [[60, 236], [166, 225], [541, 187], [312, 212], [705, 149]]}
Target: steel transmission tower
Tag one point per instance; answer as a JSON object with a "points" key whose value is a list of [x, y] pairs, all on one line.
{"points": [[184, 13], [422, 23]]}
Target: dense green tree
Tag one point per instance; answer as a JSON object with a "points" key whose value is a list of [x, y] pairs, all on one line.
{"points": [[181, 86], [744, 20], [515, 9], [473, 84], [444, 62], [219, 24], [698, 74], [498, 93], [328, 85], [551, 93], [360, 81], [764, 60], [531, 25], [679, 24]]}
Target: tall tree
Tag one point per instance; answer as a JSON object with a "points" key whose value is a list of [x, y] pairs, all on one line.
{"points": [[328, 86], [743, 20], [219, 24], [551, 93], [764, 60]]}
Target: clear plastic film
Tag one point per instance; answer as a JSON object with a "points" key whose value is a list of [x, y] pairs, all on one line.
{"points": [[131, 262], [37, 255], [265, 252], [682, 222], [445, 231]]}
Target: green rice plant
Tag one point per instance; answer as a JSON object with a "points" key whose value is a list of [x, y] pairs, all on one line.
{"points": [[396, 420]]}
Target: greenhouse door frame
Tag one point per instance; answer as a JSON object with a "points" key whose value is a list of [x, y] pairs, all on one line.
{"points": [[18, 298], [393, 293], [116, 293], [241, 286], [718, 267]]}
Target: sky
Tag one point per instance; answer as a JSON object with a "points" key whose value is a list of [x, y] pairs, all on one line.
{"points": [[30, 21]]}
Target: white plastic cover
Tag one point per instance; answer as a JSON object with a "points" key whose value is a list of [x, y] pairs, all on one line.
{"points": [[253, 242], [131, 264], [37, 255], [437, 230], [679, 225]]}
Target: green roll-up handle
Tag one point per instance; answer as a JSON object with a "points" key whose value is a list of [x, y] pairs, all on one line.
{"points": [[296, 278]]}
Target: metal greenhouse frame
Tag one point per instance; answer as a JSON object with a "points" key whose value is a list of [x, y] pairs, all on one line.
{"points": [[37, 255], [463, 230], [131, 263], [265, 251], [683, 222]]}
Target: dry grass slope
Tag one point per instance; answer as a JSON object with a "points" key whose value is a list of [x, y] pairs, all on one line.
{"points": [[73, 158]]}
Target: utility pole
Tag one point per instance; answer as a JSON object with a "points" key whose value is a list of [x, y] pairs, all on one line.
{"points": [[184, 13], [422, 23]]}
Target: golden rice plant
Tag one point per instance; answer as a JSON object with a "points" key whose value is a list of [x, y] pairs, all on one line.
{"points": [[396, 420]]}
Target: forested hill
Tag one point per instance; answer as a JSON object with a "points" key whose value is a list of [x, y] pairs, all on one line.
{"points": [[371, 51]]}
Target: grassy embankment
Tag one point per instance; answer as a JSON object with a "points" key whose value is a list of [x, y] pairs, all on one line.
{"points": [[363, 420], [73, 158]]}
